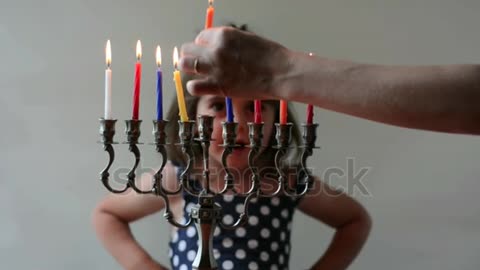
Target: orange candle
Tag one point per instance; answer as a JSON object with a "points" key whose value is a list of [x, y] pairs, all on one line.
{"points": [[283, 112], [210, 12]]}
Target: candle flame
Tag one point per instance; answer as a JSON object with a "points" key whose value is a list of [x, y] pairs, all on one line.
{"points": [[139, 50], [310, 54], [158, 56], [210, 2], [175, 57], [108, 53]]}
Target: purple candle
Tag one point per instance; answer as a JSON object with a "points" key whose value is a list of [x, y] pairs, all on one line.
{"points": [[228, 103], [159, 86]]}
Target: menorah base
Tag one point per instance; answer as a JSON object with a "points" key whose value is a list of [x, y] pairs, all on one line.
{"points": [[206, 214]]}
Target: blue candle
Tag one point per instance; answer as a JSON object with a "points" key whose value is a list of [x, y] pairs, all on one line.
{"points": [[228, 102], [159, 86]]}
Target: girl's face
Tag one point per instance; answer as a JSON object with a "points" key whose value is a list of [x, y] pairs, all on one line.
{"points": [[243, 110]]}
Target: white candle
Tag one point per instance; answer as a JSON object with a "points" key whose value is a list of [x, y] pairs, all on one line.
{"points": [[108, 83]]}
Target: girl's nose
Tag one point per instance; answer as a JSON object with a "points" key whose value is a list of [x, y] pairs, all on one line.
{"points": [[242, 119]]}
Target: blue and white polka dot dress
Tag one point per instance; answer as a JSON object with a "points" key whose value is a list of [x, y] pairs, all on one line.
{"points": [[263, 243]]}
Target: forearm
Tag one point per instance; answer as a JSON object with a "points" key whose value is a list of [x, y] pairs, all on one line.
{"points": [[345, 246], [117, 238], [440, 98]]}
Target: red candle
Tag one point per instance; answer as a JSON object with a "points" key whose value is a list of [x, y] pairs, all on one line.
{"points": [[283, 112], [138, 76], [310, 114], [257, 111], [210, 12]]}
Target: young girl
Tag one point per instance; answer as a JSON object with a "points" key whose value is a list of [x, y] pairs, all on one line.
{"points": [[264, 242]]}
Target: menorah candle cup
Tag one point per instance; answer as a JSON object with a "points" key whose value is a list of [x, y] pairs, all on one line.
{"points": [[205, 127], [107, 130], [159, 132], [283, 134], [255, 134], [229, 133], [309, 135], [186, 132], [132, 130]]}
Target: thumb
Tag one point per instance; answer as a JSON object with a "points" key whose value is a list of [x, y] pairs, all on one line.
{"points": [[204, 86]]}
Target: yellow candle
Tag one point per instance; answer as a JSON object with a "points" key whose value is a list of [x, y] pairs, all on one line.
{"points": [[178, 85]]}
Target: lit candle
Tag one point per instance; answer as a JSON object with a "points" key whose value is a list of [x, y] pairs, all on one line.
{"points": [[283, 112], [178, 85], [108, 82], [159, 85], [310, 107], [257, 111], [210, 12], [138, 76]]}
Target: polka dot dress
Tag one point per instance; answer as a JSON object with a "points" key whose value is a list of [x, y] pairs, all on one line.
{"points": [[263, 243]]}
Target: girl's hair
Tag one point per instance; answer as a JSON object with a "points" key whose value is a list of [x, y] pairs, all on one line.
{"points": [[175, 154]]}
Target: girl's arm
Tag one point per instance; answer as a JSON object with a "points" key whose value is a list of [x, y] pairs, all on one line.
{"points": [[348, 217], [111, 219]]}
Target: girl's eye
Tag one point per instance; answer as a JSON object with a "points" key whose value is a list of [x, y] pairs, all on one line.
{"points": [[217, 106]]}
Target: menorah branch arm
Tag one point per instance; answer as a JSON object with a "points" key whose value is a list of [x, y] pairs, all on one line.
{"points": [[242, 219], [255, 178], [170, 218], [228, 184], [105, 174], [307, 177], [163, 153], [107, 132], [158, 186], [309, 137], [186, 133], [229, 135], [185, 174], [131, 174], [132, 130]]}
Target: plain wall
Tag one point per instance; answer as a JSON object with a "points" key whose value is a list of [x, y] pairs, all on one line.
{"points": [[423, 185]]}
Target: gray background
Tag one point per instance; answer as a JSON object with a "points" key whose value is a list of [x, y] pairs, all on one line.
{"points": [[423, 185]]}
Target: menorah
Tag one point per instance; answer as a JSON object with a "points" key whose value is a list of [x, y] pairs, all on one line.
{"points": [[207, 214]]}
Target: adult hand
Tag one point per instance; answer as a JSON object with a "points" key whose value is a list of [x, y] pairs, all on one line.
{"points": [[234, 63]]}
